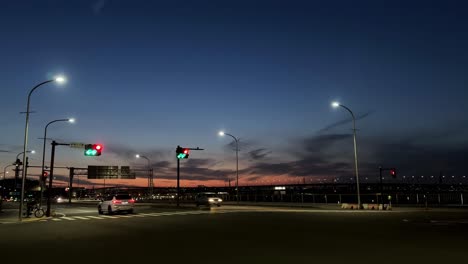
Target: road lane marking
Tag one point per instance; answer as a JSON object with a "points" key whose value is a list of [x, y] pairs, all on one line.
{"points": [[125, 216], [68, 218], [108, 216], [96, 217], [81, 217]]}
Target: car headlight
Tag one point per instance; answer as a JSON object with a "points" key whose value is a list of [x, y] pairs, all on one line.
{"points": [[211, 200]]}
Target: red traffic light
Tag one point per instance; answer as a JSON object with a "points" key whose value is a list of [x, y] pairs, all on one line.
{"points": [[393, 172], [98, 147], [45, 174], [186, 151]]}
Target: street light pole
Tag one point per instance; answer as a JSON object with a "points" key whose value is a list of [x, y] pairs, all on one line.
{"points": [[237, 162], [150, 180], [335, 104], [25, 145], [41, 177]]}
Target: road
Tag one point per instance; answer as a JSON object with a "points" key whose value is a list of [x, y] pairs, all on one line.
{"points": [[240, 234]]}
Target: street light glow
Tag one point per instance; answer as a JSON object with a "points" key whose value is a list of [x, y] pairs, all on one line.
{"points": [[60, 79], [335, 104], [33, 151], [137, 155], [221, 133], [71, 120]]}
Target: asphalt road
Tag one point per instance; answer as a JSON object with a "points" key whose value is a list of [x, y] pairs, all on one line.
{"points": [[232, 234]]}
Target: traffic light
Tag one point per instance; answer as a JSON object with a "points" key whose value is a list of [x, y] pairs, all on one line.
{"points": [[93, 149], [393, 172], [182, 153], [45, 174]]}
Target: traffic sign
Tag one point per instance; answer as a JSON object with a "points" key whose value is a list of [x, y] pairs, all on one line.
{"points": [[77, 145]]}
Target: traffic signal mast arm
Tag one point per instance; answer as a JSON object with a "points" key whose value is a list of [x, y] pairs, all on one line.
{"points": [[183, 153]]}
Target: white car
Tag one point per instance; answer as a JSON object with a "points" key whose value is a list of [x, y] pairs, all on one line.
{"points": [[115, 203], [207, 198]]}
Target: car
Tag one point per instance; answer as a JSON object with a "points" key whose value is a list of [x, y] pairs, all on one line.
{"points": [[115, 203], [208, 198]]}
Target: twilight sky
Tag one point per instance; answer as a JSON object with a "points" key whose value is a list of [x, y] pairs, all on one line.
{"points": [[146, 76]]}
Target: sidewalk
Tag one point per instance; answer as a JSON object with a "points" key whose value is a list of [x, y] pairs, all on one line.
{"points": [[9, 214]]}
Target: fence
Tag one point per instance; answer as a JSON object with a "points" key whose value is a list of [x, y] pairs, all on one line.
{"points": [[438, 199]]}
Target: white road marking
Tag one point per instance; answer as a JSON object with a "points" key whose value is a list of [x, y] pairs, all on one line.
{"points": [[81, 217], [96, 217], [68, 218], [108, 216]]}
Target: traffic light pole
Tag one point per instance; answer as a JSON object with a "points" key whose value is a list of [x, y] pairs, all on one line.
{"points": [[178, 172], [70, 185], [51, 174], [381, 186], [381, 183], [178, 179]]}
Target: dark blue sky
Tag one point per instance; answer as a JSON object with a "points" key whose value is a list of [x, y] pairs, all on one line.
{"points": [[146, 76]]}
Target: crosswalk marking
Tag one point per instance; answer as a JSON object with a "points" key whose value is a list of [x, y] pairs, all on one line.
{"points": [[103, 217], [68, 218], [96, 217], [80, 217], [108, 216]]}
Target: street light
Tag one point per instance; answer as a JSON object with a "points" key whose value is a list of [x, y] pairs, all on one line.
{"points": [[222, 133], [144, 157], [149, 172], [336, 105], [70, 120], [60, 80], [28, 151]]}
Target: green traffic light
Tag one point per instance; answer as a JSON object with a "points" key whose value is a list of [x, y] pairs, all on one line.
{"points": [[91, 152], [181, 156]]}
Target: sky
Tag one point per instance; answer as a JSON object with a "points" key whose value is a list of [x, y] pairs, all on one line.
{"points": [[146, 76]]}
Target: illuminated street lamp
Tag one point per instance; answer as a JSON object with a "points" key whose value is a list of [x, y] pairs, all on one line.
{"points": [[70, 120], [150, 172], [222, 133], [28, 151], [60, 80], [143, 157], [336, 105]]}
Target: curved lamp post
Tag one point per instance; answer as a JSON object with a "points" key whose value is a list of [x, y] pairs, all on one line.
{"points": [[222, 133], [70, 120], [336, 105], [149, 171], [28, 151], [59, 79]]}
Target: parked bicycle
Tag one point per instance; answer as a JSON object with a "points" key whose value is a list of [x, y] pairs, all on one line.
{"points": [[38, 211]]}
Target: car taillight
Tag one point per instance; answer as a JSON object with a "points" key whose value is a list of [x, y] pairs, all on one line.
{"points": [[116, 202], [131, 201]]}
